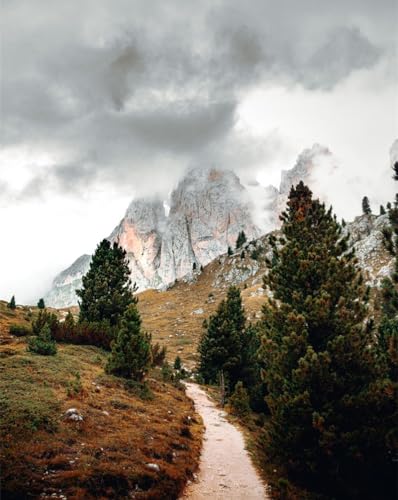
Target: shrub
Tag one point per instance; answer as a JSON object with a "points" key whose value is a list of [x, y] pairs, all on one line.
{"points": [[45, 318], [75, 386], [139, 389], [43, 343], [167, 372], [20, 330], [158, 354], [99, 334], [239, 401]]}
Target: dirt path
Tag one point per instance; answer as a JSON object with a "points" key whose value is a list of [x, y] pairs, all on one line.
{"points": [[225, 469]]}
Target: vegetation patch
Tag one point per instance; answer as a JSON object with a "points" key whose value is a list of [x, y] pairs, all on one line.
{"points": [[105, 453]]}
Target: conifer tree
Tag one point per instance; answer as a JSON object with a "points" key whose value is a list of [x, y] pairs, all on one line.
{"points": [[12, 304], [177, 363], [106, 292], [131, 350], [382, 210], [230, 252], [41, 304], [241, 240], [220, 347], [388, 327], [43, 343], [326, 396], [366, 206]]}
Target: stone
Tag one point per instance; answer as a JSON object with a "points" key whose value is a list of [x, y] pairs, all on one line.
{"points": [[154, 467], [74, 414]]}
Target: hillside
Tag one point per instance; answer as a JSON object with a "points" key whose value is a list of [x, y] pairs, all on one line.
{"points": [[70, 431], [175, 316]]}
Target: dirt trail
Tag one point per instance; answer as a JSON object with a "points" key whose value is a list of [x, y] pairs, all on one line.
{"points": [[225, 469]]}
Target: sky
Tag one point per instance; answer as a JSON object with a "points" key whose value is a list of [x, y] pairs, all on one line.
{"points": [[105, 101]]}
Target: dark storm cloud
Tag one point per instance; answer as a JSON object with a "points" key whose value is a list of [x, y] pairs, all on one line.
{"points": [[122, 85]]}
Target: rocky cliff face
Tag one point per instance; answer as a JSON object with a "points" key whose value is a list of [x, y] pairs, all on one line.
{"points": [[63, 291], [307, 165], [208, 209]]}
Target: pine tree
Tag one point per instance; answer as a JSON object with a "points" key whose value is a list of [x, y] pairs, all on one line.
{"points": [[241, 240], [106, 291], [382, 210], [131, 350], [177, 363], [220, 347], [388, 327], [366, 206], [43, 343], [230, 252], [12, 304], [194, 266], [325, 395], [41, 304]]}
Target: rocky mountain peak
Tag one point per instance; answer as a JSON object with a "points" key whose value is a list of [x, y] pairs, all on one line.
{"points": [[208, 209]]}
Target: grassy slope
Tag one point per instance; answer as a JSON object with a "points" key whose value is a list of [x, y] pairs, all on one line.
{"points": [[106, 454], [170, 316]]}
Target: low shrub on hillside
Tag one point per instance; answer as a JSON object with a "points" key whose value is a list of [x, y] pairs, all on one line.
{"points": [[158, 354], [97, 334], [43, 343], [20, 330]]}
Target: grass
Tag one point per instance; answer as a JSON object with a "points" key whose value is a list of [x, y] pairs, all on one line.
{"points": [[125, 427]]}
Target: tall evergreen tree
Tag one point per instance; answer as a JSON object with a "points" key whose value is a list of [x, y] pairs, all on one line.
{"points": [[106, 292], [220, 347], [131, 350], [388, 327], [12, 304], [326, 397], [241, 240], [382, 210], [366, 206], [41, 304]]}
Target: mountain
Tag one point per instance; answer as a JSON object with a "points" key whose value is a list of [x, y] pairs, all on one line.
{"points": [[208, 209]]}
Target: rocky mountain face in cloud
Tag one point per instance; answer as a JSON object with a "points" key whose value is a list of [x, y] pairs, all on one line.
{"points": [[304, 170], [208, 209]]}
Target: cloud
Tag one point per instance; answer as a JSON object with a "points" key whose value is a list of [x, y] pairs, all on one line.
{"points": [[120, 98]]}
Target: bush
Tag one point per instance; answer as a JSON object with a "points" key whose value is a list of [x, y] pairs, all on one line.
{"points": [[45, 318], [239, 401], [74, 387], [20, 330], [139, 389], [99, 334], [167, 372], [158, 354], [43, 343]]}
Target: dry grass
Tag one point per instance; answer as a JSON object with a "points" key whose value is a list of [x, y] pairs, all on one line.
{"points": [[106, 455]]}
